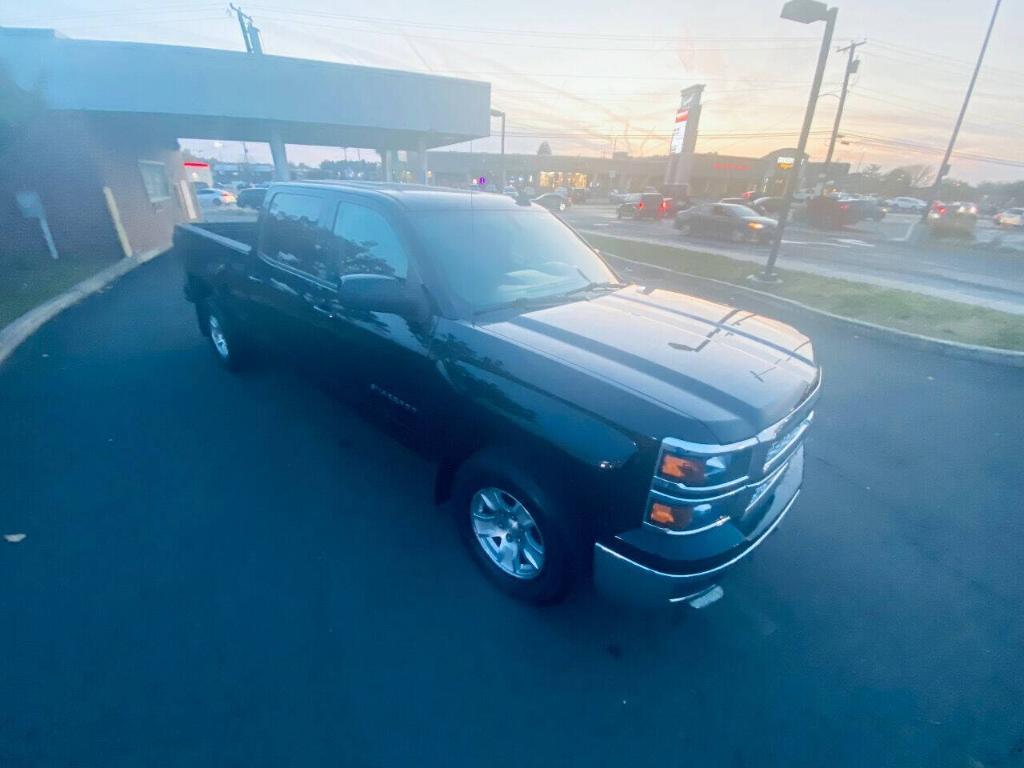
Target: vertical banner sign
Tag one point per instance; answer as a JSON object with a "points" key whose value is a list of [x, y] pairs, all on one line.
{"points": [[684, 139]]}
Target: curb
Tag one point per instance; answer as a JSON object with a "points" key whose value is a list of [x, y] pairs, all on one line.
{"points": [[15, 332], [956, 349]]}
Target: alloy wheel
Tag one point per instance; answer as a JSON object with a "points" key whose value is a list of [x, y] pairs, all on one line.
{"points": [[507, 533]]}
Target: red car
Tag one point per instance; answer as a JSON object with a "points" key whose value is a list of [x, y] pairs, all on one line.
{"points": [[648, 205]]}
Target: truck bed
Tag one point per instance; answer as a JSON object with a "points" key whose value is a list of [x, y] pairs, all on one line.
{"points": [[207, 248]]}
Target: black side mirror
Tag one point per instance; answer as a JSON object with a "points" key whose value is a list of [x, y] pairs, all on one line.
{"points": [[383, 293]]}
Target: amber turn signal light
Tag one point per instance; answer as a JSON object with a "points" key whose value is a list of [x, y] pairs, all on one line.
{"points": [[670, 517], [682, 468]]}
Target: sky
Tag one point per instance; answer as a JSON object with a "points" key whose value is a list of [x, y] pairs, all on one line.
{"points": [[596, 77]]}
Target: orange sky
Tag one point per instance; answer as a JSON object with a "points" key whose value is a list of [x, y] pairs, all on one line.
{"points": [[592, 76]]}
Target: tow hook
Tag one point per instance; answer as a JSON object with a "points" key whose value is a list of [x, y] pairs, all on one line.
{"points": [[705, 598]]}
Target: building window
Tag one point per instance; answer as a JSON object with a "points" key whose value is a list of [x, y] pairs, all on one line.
{"points": [[154, 177]]}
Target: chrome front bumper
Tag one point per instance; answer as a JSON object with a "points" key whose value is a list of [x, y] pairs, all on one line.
{"points": [[620, 578]]}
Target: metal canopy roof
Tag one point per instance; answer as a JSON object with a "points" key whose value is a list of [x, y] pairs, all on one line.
{"points": [[217, 94]]}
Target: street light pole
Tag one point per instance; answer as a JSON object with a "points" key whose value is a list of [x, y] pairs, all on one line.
{"points": [[499, 113], [806, 12], [944, 168]]}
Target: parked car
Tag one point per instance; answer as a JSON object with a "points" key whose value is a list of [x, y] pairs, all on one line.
{"points": [[552, 201], [907, 205], [865, 207], [645, 205], [768, 206], [1011, 217], [726, 221], [617, 196], [578, 195], [828, 212], [251, 197], [210, 197], [571, 434], [511, 191], [735, 201], [957, 219]]}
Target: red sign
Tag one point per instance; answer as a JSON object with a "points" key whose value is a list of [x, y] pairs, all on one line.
{"points": [[731, 167], [194, 164]]}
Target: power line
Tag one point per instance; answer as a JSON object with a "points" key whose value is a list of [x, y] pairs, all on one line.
{"points": [[915, 145], [915, 54], [393, 22], [120, 12], [287, 16]]}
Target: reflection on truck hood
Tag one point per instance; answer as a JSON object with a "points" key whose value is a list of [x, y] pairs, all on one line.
{"points": [[733, 370]]}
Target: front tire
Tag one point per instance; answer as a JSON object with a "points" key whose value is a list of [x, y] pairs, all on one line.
{"points": [[513, 533]]}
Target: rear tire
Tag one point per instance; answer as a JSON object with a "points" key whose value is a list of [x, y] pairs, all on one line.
{"points": [[229, 345], [513, 531]]}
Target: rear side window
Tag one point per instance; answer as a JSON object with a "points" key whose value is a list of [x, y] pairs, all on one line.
{"points": [[290, 233], [365, 243]]}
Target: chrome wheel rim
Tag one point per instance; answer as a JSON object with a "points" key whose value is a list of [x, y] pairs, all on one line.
{"points": [[507, 533], [220, 342]]}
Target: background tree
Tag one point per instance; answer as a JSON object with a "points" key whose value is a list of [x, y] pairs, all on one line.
{"points": [[920, 175], [544, 149]]}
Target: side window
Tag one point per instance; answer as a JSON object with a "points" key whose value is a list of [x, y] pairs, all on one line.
{"points": [[154, 178], [366, 244], [290, 233], [717, 210]]}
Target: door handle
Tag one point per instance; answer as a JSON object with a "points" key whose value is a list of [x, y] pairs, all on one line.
{"points": [[322, 310]]}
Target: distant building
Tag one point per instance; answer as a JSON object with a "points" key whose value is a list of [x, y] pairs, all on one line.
{"points": [[94, 145], [712, 175]]}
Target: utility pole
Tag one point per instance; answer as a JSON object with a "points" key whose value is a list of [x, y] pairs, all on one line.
{"points": [[851, 67], [944, 168], [250, 33], [253, 44]]}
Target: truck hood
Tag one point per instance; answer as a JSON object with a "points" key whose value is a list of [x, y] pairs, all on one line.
{"points": [[732, 370]]}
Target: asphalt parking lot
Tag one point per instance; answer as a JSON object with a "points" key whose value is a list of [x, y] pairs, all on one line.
{"points": [[240, 571]]}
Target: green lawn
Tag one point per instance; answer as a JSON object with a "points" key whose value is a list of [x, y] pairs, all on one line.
{"points": [[904, 310], [27, 283]]}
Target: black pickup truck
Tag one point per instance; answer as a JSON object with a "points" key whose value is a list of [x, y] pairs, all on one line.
{"points": [[580, 425]]}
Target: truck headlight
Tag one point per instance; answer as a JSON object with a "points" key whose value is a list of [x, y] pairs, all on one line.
{"points": [[695, 470], [755, 225]]}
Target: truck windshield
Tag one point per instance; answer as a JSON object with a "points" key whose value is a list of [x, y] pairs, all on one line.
{"points": [[492, 259]]}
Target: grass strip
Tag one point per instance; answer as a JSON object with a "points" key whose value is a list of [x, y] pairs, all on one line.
{"points": [[890, 307]]}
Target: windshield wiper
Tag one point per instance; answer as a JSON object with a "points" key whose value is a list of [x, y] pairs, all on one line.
{"points": [[606, 285], [522, 302]]}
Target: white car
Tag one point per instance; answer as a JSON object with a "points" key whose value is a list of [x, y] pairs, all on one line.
{"points": [[209, 197], [907, 205], [1011, 217]]}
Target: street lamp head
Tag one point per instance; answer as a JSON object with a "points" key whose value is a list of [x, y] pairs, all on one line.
{"points": [[497, 113], [805, 11]]}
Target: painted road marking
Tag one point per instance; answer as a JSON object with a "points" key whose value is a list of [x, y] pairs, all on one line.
{"points": [[851, 241]]}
